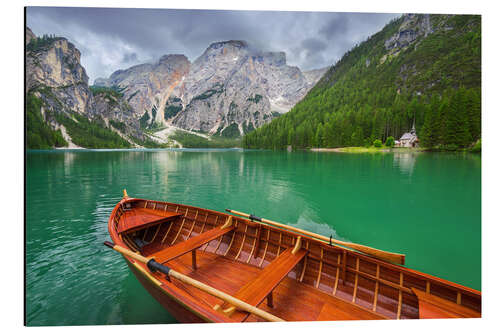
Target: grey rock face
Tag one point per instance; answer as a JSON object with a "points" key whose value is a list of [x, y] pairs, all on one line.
{"points": [[54, 73], [147, 87], [314, 75], [229, 86], [401, 39], [411, 28], [57, 66], [118, 110], [29, 35]]}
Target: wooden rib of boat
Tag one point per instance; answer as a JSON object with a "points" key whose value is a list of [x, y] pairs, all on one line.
{"points": [[285, 273]]}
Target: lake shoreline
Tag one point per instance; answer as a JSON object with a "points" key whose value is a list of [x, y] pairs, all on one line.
{"points": [[357, 150], [348, 150], [362, 150]]}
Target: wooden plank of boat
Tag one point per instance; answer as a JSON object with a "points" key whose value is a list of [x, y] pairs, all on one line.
{"points": [[141, 217], [255, 291], [431, 306], [341, 310], [190, 244]]}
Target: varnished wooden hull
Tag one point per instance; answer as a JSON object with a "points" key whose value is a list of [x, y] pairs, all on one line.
{"points": [[177, 309], [330, 283]]}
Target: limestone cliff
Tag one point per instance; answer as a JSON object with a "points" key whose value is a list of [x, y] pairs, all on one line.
{"points": [[57, 84], [314, 75], [54, 63], [147, 87], [29, 35], [230, 89]]}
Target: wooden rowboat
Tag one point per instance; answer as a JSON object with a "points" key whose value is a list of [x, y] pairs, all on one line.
{"points": [[207, 266]]}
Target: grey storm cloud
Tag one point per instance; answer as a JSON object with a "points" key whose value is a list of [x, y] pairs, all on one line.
{"points": [[117, 38], [130, 57], [313, 44]]}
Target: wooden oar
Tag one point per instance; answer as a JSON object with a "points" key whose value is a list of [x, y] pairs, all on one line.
{"points": [[396, 258], [156, 266]]}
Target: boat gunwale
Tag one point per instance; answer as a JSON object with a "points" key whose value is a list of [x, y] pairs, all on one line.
{"points": [[168, 288], [452, 286]]}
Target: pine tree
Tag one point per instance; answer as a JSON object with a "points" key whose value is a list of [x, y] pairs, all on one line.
{"points": [[429, 134], [443, 116], [318, 140], [357, 139], [458, 123], [291, 137], [473, 108]]}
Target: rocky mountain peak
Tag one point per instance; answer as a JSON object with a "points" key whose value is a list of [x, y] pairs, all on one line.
{"points": [[270, 58], [173, 59], [230, 89], [55, 78], [54, 62], [224, 52], [237, 44]]}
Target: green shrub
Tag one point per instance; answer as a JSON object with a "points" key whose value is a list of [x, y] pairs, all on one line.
{"points": [[118, 125], [248, 128], [216, 89], [114, 91], [256, 99], [144, 120], [449, 147], [377, 143], [171, 111], [477, 147], [231, 131], [389, 142]]}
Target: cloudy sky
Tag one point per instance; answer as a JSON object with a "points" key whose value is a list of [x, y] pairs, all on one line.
{"points": [[112, 38]]}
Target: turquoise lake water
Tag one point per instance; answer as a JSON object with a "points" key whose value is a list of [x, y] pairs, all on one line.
{"points": [[425, 205]]}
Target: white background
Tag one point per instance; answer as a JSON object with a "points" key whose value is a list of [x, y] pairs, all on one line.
{"points": [[12, 161]]}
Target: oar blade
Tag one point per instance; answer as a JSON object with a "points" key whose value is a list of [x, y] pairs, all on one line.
{"points": [[395, 258]]}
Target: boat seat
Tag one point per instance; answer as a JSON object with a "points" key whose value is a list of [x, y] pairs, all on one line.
{"points": [[255, 291], [139, 218], [431, 306], [189, 245]]}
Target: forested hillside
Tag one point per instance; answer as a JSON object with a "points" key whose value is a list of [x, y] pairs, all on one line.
{"points": [[422, 69]]}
